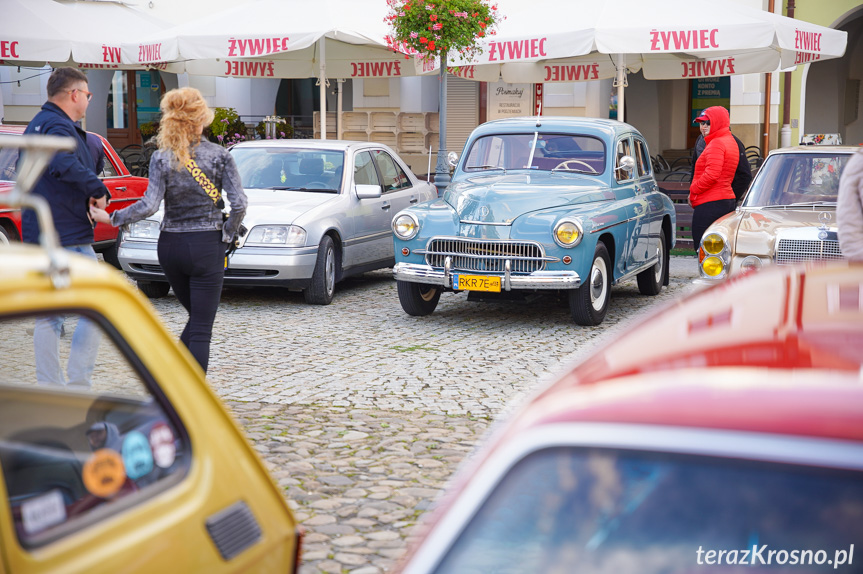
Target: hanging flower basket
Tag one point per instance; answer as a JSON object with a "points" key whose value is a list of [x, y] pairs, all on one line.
{"points": [[432, 29]]}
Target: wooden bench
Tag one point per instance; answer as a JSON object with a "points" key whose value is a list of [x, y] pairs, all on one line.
{"points": [[678, 191]]}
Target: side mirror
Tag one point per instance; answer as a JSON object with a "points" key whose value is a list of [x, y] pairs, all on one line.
{"points": [[627, 163], [452, 159], [368, 191]]}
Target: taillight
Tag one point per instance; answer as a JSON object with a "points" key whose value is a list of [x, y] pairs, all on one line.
{"points": [[298, 548]]}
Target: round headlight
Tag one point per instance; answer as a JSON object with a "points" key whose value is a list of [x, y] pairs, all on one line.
{"points": [[712, 266], [713, 243], [751, 263], [568, 233], [405, 226]]}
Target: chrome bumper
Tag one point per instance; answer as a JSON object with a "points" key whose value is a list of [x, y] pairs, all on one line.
{"points": [[417, 273]]}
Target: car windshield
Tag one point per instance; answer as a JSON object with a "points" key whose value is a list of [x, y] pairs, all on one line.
{"points": [[552, 152], [293, 169], [569, 509], [797, 179]]}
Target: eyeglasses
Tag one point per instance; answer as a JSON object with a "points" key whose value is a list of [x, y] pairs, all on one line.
{"points": [[704, 123], [89, 94]]}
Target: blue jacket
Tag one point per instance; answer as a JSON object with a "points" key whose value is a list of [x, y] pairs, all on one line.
{"points": [[67, 184]]}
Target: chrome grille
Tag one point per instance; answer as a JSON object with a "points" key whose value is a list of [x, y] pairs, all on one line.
{"points": [[794, 250], [487, 256]]}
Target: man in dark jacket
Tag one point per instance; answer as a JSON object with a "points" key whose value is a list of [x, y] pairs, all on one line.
{"points": [[743, 175], [69, 185]]}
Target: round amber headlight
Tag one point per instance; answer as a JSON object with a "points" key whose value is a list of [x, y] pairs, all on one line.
{"points": [[567, 233], [405, 226], [713, 243], [712, 266]]}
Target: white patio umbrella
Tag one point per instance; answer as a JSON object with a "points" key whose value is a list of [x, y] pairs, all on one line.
{"points": [[577, 40], [82, 34], [282, 39]]}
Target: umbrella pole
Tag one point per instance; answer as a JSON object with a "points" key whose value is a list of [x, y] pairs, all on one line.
{"points": [[620, 83], [441, 176], [323, 84]]}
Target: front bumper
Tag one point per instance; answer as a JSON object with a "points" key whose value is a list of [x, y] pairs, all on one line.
{"points": [[421, 273], [248, 266]]}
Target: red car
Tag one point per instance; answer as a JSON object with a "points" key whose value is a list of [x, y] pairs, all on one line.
{"points": [[723, 432], [124, 187]]}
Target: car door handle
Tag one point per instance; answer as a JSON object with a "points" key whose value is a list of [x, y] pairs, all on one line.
{"points": [[120, 188], [414, 200], [385, 206]]}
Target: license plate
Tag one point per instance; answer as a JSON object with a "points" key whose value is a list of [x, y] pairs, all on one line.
{"points": [[476, 283]]}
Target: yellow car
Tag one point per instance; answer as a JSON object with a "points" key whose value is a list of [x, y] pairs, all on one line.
{"points": [[134, 466]]}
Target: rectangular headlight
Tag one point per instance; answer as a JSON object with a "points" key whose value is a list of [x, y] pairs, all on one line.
{"points": [[144, 230], [276, 236]]}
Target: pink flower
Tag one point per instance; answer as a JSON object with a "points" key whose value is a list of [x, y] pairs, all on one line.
{"points": [[437, 26]]}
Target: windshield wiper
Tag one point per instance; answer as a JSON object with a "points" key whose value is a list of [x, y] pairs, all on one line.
{"points": [[811, 203], [485, 167], [315, 189]]}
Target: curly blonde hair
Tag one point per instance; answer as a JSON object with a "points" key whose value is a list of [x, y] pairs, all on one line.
{"points": [[184, 111]]}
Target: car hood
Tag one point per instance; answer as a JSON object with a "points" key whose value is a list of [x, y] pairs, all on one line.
{"points": [[757, 230], [503, 198], [279, 206]]}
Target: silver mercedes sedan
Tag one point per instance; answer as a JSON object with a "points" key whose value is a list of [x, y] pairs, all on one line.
{"points": [[319, 211]]}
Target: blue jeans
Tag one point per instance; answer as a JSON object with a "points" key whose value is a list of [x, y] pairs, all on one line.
{"points": [[85, 345]]}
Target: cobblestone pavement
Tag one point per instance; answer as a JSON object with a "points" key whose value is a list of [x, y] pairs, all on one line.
{"points": [[362, 413]]}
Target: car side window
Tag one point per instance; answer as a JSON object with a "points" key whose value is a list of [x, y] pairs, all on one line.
{"points": [[107, 167], [393, 177], [8, 163], [364, 170], [642, 159], [623, 149], [74, 443]]}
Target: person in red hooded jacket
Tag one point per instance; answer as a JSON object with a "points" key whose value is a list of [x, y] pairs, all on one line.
{"points": [[710, 193]]}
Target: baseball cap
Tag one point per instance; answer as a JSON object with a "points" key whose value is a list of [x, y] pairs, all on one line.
{"points": [[701, 118]]}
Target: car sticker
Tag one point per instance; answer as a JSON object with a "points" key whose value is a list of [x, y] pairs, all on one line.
{"points": [[162, 443], [104, 473], [137, 456], [41, 512]]}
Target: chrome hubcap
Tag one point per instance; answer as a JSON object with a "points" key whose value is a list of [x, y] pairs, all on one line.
{"points": [[330, 271], [598, 291]]}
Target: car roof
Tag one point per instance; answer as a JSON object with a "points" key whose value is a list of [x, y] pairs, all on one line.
{"points": [[774, 352], [12, 129], [590, 126], [817, 149], [336, 145]]}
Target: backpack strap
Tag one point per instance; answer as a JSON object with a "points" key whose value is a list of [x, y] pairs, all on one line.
{"points": [[205, 183]]}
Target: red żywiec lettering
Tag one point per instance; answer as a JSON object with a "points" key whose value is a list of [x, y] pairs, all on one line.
{"points": [[466, 72], [149, 52], [516, 50], [8, 49], [375, 69], [804, 57], [252, 69], [708, 68], [571, 73], [809, 41], [111, 54], [256, 46], [677, 40]]}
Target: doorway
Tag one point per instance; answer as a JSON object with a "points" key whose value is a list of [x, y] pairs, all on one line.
{"points": [[133, 102]]}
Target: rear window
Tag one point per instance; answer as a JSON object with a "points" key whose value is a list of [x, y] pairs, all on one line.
{"points": [[85, 433], [571, 509]]}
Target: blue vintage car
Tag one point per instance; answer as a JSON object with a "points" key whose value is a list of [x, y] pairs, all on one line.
{"points": [[543, 203]]}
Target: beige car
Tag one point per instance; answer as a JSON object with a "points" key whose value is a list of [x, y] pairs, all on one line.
{"points": [[788, 215]]}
